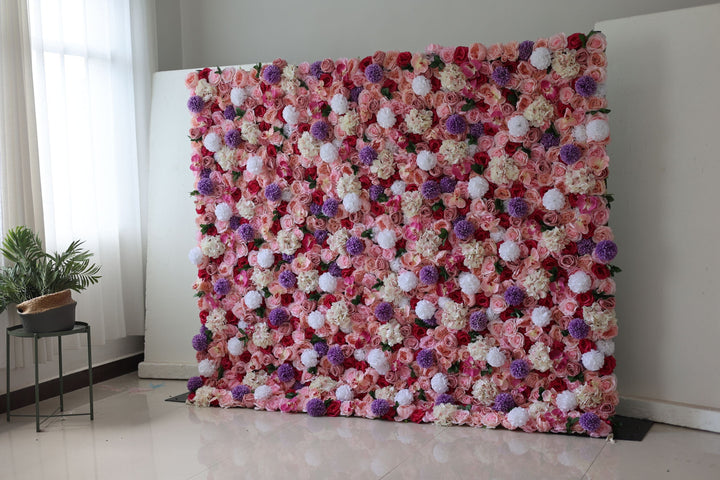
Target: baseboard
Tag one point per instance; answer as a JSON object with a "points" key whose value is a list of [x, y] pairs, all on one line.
{"points": [[170, 371], [73, 381], [680, 414]]}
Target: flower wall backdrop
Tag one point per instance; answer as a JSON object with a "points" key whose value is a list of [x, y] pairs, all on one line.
{"points": [[415, 237]]}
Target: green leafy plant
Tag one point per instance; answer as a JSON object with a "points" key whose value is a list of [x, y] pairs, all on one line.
{"points": [[34, 272]]}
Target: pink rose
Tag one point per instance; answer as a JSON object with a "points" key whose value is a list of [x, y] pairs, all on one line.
{"points": [[557, 42]]}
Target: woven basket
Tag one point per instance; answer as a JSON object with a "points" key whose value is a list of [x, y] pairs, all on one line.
{"points": [[46, 302]]}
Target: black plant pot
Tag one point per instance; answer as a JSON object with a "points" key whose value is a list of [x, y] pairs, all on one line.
{"points": [[53, 320]]}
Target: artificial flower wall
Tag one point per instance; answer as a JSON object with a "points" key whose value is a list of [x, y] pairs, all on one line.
{"points": [[412, 237]]}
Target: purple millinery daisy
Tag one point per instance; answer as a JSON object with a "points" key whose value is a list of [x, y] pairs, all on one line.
{"points": [[585, 246], [585, 86], [426, 358], [501, 76], [321, 348], [240, 391], [320, 236], [287, 279], [367, 154], [278, 316], [455, 124], [589, 421], [233, 138], [200, 342], [195, 104], [549, 140], [330, 207], [315, 69], [606, 250], [447, 184], [194, 383], [355, 93], [478, 321], [384, 312], [376, 191], [273, 192], [286, 372], [444, 398], [320, 130], [234, 222], [272, 74], [429, 275], [315, 209], [430, 190], [514, 295], [374, 73], [519, 369], [335, 355], [229, 113], [315, 407], [379, 407], [525, 49], [464, 229], [354, 246], [205, 186], [247, 232], [578, 329], [504, 402], [570, 153], [476, 130], [222, 286], [518, 207], [335, 270]]}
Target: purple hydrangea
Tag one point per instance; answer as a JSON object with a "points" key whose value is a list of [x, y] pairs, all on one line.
{"points": [[240, 391], [335, 270], [234, 222], [447, 184], [194, 383], [374, 73], [549, 140], [384, 312], [330, 207], [519, 369], [195, 104], [233, 138], [430, 190], [247, 232], [517, 207], [315, 209], [287, 257], [222, 286], [376, 191], [335, 355], [525, 49], [354, 246], [203, 329], [464, 229], [585, 86], [501, 76], [273, 192], [380, 407], [444, 398], [455, 124], [205, 173], [286, 372], [590, 422], [278, 315], [476, 130], [578, 329], [585, 246], [504, 402], [287, 279], [229, 113], [426, 358], [272, 74], [205, 186], [315, 69], [514, 295], [570, 153], [320, 130], [320, 236], [478, 321], [367, 155], [429, 275], [200, 342], [355, 94], [315, 407], [606, 250], [321, 348]]}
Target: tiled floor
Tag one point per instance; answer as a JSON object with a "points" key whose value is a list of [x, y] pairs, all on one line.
{"points": [[136, 434]]}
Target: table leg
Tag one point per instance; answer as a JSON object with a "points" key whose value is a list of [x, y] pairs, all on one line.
{"points": [[37, 385], [90, 380], [7, 375], [60, 372]]}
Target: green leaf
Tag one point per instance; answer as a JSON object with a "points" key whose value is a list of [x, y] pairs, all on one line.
{"points": [[205, 227], [477, 168], [196, 139], [385, 347], [400, 252], [276, 216], [469, 105], [614, 269], [271, 368], [498, 267], [377, 285], [194, 193], [472, 140], [239, 112], [312, 370], [455, 367], [266, 292], [443, 273], [488, 371], [438, 206], [221, 371], [583, 40], [443, 234], [200, 294], [236, 175], [302, 83], [386, 91], [355, 169], [553, 273], [421, 395], [517, 313], [315, 296], [372, 394], [281, 130], [367, 233], [258, 242], [421, 323], [599, 110], [437, 62], [598, 295], [410, 148], [365, 138], [580, 377], [512, 97], [356, 300], [499, 205], [325, 110], [565, 333], [257, 67], [382, 198], [315, 339], [474, 335], [260, 311], [570, 423], [218, 70], [291, 395]]}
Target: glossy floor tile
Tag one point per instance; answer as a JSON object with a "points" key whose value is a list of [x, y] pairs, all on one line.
{"points": [[137, 434]]}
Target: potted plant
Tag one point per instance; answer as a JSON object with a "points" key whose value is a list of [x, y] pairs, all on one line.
{"points": [[39, 283]]}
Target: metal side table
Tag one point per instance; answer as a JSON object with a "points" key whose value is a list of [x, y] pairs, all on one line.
{"points": [[19, 331]]}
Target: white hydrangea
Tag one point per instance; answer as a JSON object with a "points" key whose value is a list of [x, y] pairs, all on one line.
{"points": [[579, 282], [254, 379], [352, 202], [339, 314], [386, 239], [377, 360], [344, 393], [426, 160], [390, 334], [288, 242], [597, 130], [235, 346], [536, 283], [439, 383], [359, 355], [254, 165], [386, 118], [195, 255], [206, 368], [265, 258], [509, 251], [253, 299], [291, 115], [262, 392], [424, 310], [607, 347], [421, 85], [407, 281], [593, 360], [307, 281], [245, 208], [309, 358], [469, 283], [484, 391], [444, 414], [518, 126], [478, 350], [539, 356], [495, 357], [579, 133], [404, 397], [566, 401], [339, 104], [250, 132], [518, 417], [398, 187], [212, 142], [453, 151], [262, 337], [328, 152], [541, 316], [316, 320], [553, 199], [327, 282], [477, 187], [212, 246], [418, 121], [225, 157], [238, 96], [223, 212], [454, 315], [541, 58]]}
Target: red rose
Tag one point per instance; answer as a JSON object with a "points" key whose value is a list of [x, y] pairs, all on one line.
{"points": [[417, 331], [585, 299], [417, 416], [326, 78], [608, 367], [482, 301], [365, 182], [462, 338], [271, 150], [347, 223], [382, 382], [365, 62], [434, 145], [328, 300], [333, 409], [260, 111], [460, 55], [253, 187], [517, 189], [404, 59], [435, 83], [600, 271], [558, 385], [376, 209], [574, 41], [549, 263], [303, 127], [456, 296], [245, 357], [390, 415], [586, 345], [226, 363], [204, 73], [511, 147], [287, 341]]}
